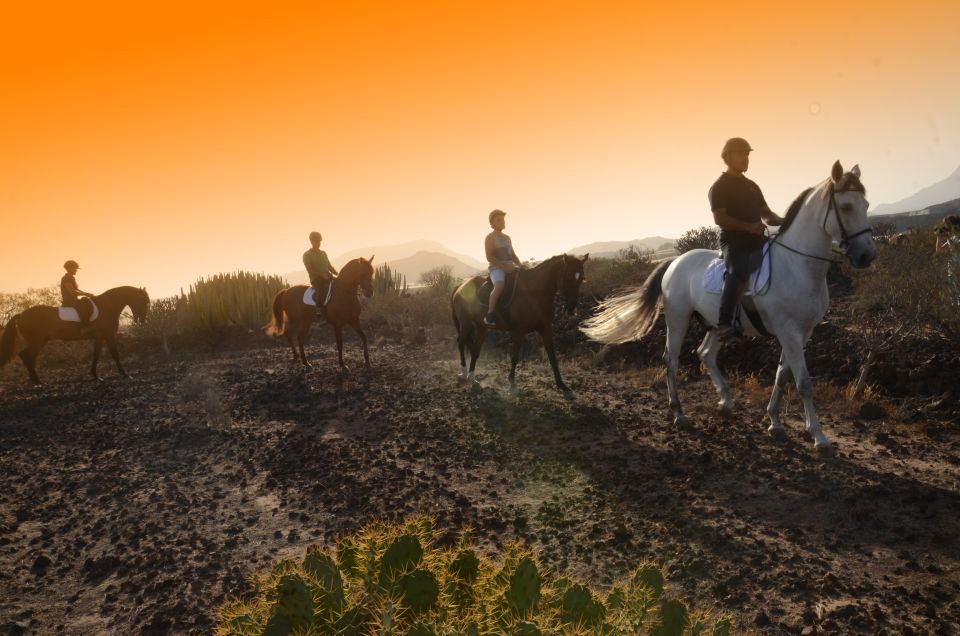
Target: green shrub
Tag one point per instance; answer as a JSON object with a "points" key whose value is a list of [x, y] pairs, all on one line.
{"points": [[14, 303], [910, 286], [605, 275], [706, 237], [394, 579]]}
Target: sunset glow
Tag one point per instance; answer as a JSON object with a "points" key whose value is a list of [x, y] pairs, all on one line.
{"points": [[156, 146]]}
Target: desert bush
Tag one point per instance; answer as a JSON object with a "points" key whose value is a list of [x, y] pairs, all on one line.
{"points": [[910, 289], [395, 579], [440, 281], [165, 319], [605, 275], [706, 237], [13, 303]]}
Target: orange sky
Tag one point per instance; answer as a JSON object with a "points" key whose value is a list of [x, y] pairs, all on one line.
{"points": [[157, 146]]}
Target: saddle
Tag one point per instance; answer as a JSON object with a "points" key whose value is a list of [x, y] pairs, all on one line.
{"points": [[70, 314], [760, 278], [311, 294], [503, 303]]}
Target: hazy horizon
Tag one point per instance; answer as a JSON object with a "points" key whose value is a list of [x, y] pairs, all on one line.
{"points": [[161, 146]]}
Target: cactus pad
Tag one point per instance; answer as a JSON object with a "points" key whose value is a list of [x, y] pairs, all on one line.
{"points": [[524, 592]]}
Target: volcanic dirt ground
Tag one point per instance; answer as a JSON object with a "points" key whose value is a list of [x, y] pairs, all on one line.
{"points": [[138, 506]]}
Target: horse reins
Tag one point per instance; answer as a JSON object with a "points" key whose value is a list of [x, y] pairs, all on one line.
{"points": [[846, 238]]}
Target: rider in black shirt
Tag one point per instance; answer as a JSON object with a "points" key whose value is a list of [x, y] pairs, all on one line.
{"points": [[741, 211]]}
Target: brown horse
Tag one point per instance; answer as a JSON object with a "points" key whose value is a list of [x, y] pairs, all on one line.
{"points": [[343, 309], [530, 309], [42, 323]]}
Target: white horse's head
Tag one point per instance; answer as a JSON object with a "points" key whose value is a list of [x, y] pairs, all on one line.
{"points": [[846, 216]]}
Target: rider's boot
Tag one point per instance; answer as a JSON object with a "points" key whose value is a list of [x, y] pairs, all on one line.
{"points": [[729, 298]]}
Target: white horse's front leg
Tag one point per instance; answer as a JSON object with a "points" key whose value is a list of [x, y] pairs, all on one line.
{"points": [[793, 353], [773, 408], [708, 351]]}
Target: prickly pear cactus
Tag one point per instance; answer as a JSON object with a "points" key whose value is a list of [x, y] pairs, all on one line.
{"points": [[244, 625], [330, 598], [348, 557], [419, 590], [278, 625], [403, 555], [672, 621], [525, 628], [421, 630], [524, 592], [294, 601], [579, 606], [651, 577], [465, 566]]}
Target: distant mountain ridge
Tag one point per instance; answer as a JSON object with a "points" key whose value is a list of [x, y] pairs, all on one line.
{"points": [[607, 249], [409, 259], [943, 191], [387, 253], [927, 217]]}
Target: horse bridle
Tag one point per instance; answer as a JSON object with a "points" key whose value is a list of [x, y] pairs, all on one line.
{"points": [[836, 212], [845, 238]]}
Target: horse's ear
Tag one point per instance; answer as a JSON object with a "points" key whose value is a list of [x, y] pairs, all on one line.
{"points": [[586, 256], [855, 170], [837, 171], [371, 258]]}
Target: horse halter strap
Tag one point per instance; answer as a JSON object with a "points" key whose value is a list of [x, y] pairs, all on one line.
{"points": [[836, 212]]}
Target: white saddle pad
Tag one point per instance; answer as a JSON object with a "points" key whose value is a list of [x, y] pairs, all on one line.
{"points": [[308, 296], [69, 314], [713, 275]]}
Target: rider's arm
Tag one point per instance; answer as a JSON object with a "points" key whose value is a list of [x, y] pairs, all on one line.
{"points": [[727, 222], [312, 273], [333, 270], [770, 217]]}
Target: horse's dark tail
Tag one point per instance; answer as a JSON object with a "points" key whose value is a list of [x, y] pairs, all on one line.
{"points": [[629, 315], [8, 340], [276, 326]]}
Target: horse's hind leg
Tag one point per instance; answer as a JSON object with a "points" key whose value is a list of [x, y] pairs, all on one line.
{"points": [[475, 346], [97, 347], [463, 339], [29, 357], [708, 351], [793, 354], [676, 329], [773, 408]]}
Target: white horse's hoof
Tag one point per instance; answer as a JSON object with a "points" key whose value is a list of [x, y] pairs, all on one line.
{"points": [[681, 420], [725, 408], [475, 385], [825, 449], [777, 432], [514, 391]]}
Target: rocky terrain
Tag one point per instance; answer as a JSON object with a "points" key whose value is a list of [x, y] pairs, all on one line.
{"points": [[138, 506]]}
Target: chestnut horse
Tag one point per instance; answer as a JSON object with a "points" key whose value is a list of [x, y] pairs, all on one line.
{"points": [[530, 309], [41, 323], [343, 309]]}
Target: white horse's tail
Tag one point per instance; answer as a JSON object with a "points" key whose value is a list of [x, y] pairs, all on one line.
{"points": [[629, 315]]}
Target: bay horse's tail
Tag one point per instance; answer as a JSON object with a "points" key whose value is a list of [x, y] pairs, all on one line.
{"points": [[8, 340], [629, 315], [276, 326]]}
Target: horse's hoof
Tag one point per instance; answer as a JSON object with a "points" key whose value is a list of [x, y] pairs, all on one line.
{"points": [[725, 408], [825, 449], [681, 420], [344, 372], [568, 394], [475, 385], [777, 432]]}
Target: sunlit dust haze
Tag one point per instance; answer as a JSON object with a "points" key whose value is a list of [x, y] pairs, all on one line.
{"points": [[159, 144]]}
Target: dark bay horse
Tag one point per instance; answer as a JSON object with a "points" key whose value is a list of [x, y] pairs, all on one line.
{"points": [[530, 309], [343, 309], [41, 323]]}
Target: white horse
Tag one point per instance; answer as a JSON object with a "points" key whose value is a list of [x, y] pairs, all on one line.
{"points": [[792, 305]]}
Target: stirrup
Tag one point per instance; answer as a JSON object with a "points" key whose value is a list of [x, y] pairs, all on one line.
{"points": [[490, 320]]}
